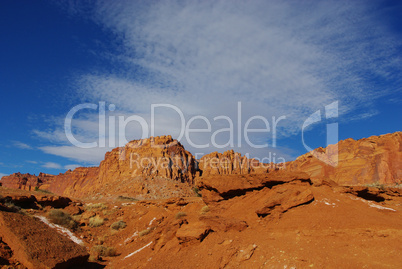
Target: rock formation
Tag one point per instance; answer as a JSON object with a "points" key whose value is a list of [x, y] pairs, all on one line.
{"points": [[216, 188], [153, 157], [377, 159], [24, 181], [161, 167], [229, 163]]}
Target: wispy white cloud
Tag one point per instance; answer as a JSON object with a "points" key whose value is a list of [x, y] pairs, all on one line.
{"points": [[2, 175], [52, 165], [71, 166], [33, 162], [94, 155], [21, 145], [277, 58]]}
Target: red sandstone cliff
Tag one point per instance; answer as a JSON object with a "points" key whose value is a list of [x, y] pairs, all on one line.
{"points": [[153, 157], [160, 166], [24, 181], [377, 159], [228, 163]]}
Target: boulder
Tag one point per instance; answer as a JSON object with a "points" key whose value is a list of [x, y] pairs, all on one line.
{"points": [[218, 223], [284, 197], [193, 232]]}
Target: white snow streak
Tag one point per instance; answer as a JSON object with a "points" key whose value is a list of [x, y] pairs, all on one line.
{"points": [[61, 230], [138, 250]]}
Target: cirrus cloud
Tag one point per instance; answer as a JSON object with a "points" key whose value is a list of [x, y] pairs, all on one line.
{"points": [[276, 58]]}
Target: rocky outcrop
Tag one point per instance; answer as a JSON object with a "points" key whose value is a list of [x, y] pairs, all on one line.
{"points": [[284, 197], [159, 167], [132, 170], [377, 159], [152, 157], [37, 200], [74, 183], [24, 181], [229, 163], [371, 193], [36, 245], [193, 232], [216, 188]]}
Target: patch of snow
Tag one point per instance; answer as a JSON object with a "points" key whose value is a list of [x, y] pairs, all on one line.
{"points": [[131, 237], [138, 250], [327, 202], [150, 223], [64, 231], [372, 204], [381, 207]]}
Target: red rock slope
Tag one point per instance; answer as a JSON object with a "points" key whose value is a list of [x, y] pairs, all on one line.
{"points": [[377, 159]]}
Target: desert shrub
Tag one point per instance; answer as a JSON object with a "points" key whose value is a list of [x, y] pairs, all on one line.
{"points": [[125, 198], [13, 207], [196, 190], [180, 214], [62, 218], [145, 232], [104, 251], [102, 239], [118, 225], [205, 209], [43, 191], [399, 186], [97, 206], [376, 185], [96, 221]]}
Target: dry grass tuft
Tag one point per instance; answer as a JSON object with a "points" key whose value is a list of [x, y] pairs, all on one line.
{"points": [[95, 207], [205, 209], [145, 232], [180, 214], [118, 225], [96, 221], [62, 218], [104, 251]]}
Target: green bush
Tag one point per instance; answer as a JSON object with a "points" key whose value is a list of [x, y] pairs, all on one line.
{"points": [[43, 191], [197, 191]]}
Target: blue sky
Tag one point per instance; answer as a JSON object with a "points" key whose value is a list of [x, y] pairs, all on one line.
{"points": [[203, 57]]}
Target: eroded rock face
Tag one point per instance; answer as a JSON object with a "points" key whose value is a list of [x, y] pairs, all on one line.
{"points": [[284, 197], [229, 163], [154, 167], [216, 188], [160, 166], [153, 157], [24, 181], [74, 183], [377, 159]]}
